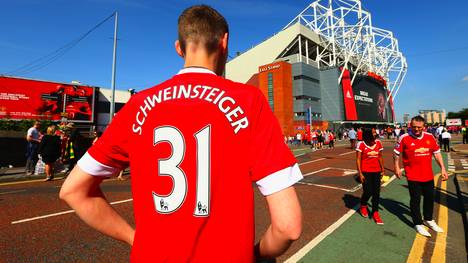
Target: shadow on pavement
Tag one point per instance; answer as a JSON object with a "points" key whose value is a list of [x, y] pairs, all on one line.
{"points": [[397, 208], [452, 202], [351, 201]]}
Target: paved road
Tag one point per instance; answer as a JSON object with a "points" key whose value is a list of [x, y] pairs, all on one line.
{"points": [[327, 193]]}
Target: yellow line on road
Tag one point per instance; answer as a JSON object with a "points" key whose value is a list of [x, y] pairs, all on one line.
{"points": [[441, 239], [29, 181], [417, 250]]}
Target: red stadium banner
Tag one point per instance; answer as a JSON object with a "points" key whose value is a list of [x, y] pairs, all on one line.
{"points": [[390, 101], [33, 99], [348, 95]]}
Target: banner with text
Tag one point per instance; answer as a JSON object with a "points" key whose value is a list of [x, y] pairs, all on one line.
{"points": [[32, 99]]}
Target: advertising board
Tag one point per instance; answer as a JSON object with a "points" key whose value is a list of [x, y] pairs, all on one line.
{"points": [[453, 122], [33, 99], [370, 99]]}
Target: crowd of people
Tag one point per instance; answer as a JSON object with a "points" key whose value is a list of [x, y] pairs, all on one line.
{"points": [[56, 144], [317, 139]]}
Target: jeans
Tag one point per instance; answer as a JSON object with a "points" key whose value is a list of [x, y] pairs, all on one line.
{"points": [[31, 157]]}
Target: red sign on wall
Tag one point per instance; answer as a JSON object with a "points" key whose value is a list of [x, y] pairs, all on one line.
{"points": [[33, 99], [348, 95]]}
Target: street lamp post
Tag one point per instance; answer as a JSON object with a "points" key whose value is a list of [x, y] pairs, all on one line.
{"points": [[114, 65]]}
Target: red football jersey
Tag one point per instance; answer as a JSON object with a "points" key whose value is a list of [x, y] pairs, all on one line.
{"points": [[195, 144], [370, 156], [417, 155]]}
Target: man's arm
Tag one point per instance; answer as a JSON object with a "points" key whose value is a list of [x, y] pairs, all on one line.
{"points": [[396, 165], [440, 162], [286, 224], [81, 192]]}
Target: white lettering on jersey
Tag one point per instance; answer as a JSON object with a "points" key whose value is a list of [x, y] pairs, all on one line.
{"points": [[227, 105]]}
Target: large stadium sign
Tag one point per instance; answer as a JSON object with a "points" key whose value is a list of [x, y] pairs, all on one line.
{"points": [[32, 99], [371, 100], [366, 99]]}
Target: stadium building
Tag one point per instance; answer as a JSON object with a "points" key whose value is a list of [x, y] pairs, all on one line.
{"points": [[329, 67], [433, 116]]}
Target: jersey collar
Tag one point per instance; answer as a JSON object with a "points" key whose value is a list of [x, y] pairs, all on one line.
{"points": [[195, 70], [370, 147], [416, 137]]}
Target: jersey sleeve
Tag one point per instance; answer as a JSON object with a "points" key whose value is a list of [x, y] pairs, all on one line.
{"points": [[435, 146], [380, 145], [399, 146], [110, 153], [360, 147], [273, 167]]}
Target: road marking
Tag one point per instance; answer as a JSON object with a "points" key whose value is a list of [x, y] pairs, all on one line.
{"points": [[61, 213], [354, 189], [317, 171], [12, 192], [341, 154], [417, 250], [29, 181], [441, 239], [391, 179], [316, 160], [303, 251], [314, 242]]}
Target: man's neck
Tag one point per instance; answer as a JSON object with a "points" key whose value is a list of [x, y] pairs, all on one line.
{"points": [[200, 58]]}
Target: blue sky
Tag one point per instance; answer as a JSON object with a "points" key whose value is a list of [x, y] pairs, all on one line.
{"points": [[433, 36]]}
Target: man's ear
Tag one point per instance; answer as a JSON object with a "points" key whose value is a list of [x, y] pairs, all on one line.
{"points": [[224, 42], [179, 49]]}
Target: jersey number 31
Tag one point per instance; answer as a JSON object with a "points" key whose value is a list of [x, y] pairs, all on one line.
{"points": [[166, 204]]}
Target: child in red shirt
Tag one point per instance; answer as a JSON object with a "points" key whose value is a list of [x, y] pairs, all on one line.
{"points": [[370, 165]]}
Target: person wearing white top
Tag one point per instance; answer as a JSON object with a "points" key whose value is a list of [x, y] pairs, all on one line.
{"points": [[32, 138], [446, 140]]}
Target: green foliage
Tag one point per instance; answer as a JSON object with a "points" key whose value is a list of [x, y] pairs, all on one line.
{"points": [[463, 114], [22, 125]]}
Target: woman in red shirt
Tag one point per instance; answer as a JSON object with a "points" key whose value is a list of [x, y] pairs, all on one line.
{"points": [[370, 165]]}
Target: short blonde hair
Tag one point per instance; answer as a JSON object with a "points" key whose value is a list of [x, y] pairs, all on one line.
{"points": [[51, 130]]}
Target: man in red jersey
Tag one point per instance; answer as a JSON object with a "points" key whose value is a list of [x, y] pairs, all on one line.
{"points": [[195, 144], [417, 148]]}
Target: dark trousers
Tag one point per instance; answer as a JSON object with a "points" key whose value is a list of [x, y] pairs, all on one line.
{"points": [[31, 157], [426, 189], [465, 139], [353, 143], [371, 187], [446, 143]]}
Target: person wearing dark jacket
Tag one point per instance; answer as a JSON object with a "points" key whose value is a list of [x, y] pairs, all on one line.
{"points": [[49, 149], [75, 148]]}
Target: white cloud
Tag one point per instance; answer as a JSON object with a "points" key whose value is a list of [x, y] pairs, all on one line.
{"points": [[465, 78]]}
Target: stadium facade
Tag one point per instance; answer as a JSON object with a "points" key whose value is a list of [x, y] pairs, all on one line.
{"points": [[329, 67]]}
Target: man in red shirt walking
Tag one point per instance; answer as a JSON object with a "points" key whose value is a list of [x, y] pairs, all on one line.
{"points": [[195, 144], [417, 148]]}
